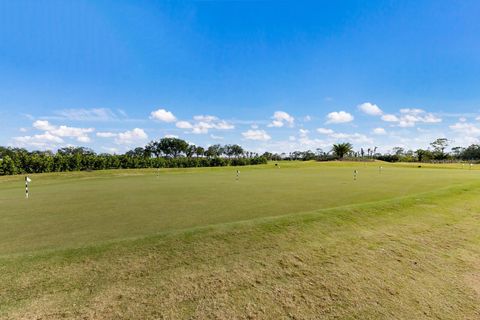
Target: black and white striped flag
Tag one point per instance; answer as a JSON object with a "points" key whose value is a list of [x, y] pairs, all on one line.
{"points": [[27, 181]]}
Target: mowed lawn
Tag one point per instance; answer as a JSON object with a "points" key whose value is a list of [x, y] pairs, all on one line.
{"points": [[69, 210], [301, 242]]}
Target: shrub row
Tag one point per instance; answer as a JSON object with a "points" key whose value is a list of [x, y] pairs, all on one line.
{"points": [[40, 163]]}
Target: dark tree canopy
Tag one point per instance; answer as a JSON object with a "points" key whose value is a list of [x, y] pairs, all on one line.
{"points": [[166, 152]]}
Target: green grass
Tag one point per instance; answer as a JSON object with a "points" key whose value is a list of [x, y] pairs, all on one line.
{"points": [[78, 209], [303, 241]]}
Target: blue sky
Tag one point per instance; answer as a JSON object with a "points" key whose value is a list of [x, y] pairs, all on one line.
{"points": [[269, 75]]}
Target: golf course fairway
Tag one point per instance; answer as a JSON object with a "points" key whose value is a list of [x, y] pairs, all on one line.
{"points": [[301, 241]]}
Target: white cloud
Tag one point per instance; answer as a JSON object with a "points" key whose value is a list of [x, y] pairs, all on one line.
{"points": [[45, 140], [214, 137], [205, 118], [467, 133], [389, 118], [305, 141], [430, 118], [106, 134], [95, 114], [84, 139], [183, 125], [223, 125], [276, 123], [410, 117], [413, 111], [131, 136], [379, 131], [72, 132], [125, 138], [281, 118], [353, 137], [43, 125], [260, 135], [201, 124], [201, 127], [370, 109], [171, 136], [467, 129], [303, 132], [45, 137], [324, 131], [339, 117], [81, 134], [163, 115]]}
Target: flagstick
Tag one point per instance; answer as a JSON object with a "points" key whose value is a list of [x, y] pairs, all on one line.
{"points": [[26, 187]]}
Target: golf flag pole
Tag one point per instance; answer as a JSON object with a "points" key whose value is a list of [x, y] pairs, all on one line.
{"points": [[27, 181]]}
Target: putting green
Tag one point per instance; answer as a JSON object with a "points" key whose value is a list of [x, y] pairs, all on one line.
{"points": [[68, 210]]}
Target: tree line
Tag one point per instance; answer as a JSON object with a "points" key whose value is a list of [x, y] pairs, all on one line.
{"points": [[437, 152], [177, 153], [163, 153]]}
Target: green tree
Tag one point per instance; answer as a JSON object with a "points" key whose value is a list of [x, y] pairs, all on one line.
{"points": [[173, 147], [191, 150], [7, 166], [341, 149], [236, 150], [214, 151], [439, 147], [423, 155], [472, 152], [137, 152], [199, 151], [399, 151], [457, 151], [153, 147]]}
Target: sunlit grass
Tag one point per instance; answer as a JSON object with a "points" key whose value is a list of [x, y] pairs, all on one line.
{"points": [[302, 241]]}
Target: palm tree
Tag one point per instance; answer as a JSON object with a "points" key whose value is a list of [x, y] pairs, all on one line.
{"points": [[341, 149]]}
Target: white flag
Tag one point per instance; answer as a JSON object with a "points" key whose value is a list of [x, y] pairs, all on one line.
{"points": [[29, 180]]}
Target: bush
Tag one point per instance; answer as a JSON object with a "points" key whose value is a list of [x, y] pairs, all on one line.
{"points": [[21, 162]]}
